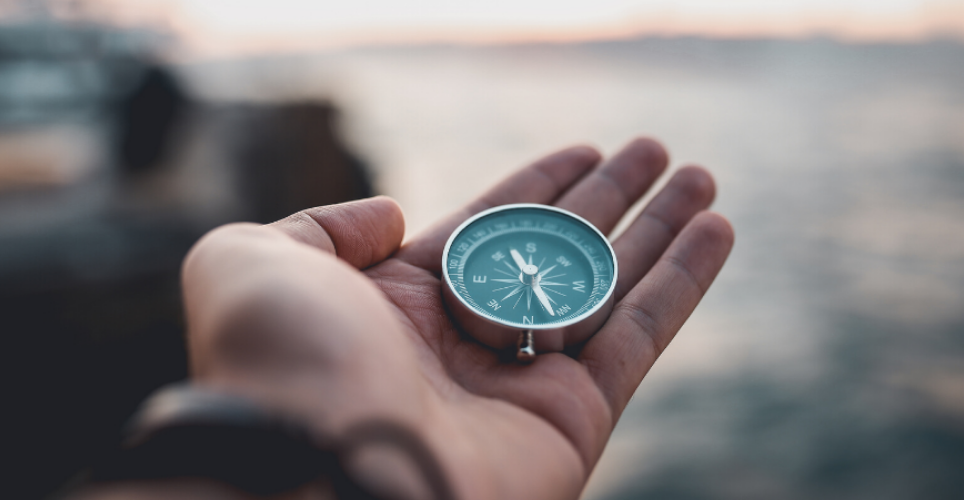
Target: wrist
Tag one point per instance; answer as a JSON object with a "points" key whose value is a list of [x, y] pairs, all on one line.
{"points": [[192, 441], [188, 489]]}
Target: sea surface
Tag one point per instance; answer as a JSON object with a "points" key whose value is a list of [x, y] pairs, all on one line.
{"points": [[827, 360]]}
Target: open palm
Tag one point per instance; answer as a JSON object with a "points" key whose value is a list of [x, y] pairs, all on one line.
{"points": [[326, 315]]}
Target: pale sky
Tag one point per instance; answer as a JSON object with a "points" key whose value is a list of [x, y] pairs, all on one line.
{"points": [[235, 27]]}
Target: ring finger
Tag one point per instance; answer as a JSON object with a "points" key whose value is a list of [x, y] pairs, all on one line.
{"points": [[689, 191]]}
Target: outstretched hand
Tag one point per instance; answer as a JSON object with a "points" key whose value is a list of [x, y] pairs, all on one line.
{"points": [[326, 315]]}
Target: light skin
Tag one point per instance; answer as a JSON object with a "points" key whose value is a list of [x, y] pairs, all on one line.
{"points": [[327, 316]]}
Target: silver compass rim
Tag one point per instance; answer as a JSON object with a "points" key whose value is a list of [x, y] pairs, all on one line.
{"points": [[603, 301]]}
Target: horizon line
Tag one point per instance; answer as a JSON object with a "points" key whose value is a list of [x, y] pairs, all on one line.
{"points": [[362, 42]]}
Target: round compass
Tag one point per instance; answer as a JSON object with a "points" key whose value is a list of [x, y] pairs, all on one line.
{"points": [[536, 273]]}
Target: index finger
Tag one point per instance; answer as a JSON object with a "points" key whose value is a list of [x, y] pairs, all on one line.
{"points": [[541, 182]]}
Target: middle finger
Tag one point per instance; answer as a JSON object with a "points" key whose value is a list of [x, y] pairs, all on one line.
{"points": [[603, 196]]}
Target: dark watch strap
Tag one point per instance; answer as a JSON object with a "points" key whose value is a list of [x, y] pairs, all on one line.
{"points": [[188, 431], [185, 430]]}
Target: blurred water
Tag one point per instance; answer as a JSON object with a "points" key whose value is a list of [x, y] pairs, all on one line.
{"points": [[827, 361]]}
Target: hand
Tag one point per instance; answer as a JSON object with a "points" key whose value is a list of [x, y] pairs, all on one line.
{"points": [[326, 315]]}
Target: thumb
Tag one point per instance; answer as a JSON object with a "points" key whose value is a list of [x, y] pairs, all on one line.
{"points": [[363, 232]]}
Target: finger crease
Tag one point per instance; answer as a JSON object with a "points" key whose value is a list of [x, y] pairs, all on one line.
{"points": [[646, 322], [610, 391], [304, 218], [557, 187], [334, 247], [660, 221], [624, 196], [676, 262]]}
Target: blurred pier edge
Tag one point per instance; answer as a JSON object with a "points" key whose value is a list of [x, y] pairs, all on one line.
{"points": [[109, 171]]}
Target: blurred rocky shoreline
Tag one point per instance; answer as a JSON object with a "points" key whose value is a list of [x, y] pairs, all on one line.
{"points": [[109, 171]]}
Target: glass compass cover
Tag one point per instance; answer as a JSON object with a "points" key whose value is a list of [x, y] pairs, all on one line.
{"points": [[530, 266]]}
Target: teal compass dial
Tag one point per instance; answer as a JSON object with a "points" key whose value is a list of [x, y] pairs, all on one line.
{"points": [[530, 267]]}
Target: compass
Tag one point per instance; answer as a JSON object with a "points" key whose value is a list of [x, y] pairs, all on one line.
{"points": [[534, 275]]}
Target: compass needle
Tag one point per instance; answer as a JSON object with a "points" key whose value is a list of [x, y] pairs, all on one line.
{"points": [[526, 268], [543, 298]]}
